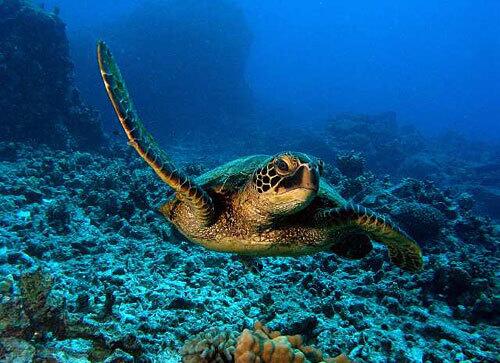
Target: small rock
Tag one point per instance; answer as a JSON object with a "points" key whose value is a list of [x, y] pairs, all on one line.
{"points": [[15, 258], [119, 356], [17, 350], [181, 303], [6, 285]]}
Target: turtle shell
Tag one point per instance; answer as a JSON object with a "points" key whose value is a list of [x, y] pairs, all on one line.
{"points": [[231, 175]]}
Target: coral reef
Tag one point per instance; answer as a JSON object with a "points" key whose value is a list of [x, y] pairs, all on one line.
{"points": [[214, 346], [90, 272], [379, 137], [38, 100], [252, 346], [351, 164], [421, 221], [449, 159], [263, 345], [125, 286]]}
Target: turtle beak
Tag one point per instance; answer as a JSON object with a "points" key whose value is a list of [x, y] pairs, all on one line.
{"points": [[309, 176]]}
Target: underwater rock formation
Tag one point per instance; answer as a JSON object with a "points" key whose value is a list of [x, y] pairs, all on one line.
{"points": [[38, 100], [382, 141], [189, 56], [351, 164], [448, 159], [421, 221]]}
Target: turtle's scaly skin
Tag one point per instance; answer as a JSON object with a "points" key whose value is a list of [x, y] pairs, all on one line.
{"points": [[260, 205]]}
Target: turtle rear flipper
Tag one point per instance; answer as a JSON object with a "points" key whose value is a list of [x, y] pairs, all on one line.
{"points": [[143, 142], [351, 219]]}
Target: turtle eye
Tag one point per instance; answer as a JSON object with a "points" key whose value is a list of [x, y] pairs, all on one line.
{"points": [[281, 165]]}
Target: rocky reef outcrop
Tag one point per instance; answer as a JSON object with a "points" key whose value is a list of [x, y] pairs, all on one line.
{"points": [[38, 100], [380, 138], [386, 147]]}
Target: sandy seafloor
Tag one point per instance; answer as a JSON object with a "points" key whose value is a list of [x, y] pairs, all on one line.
{"points": [[121, 285]]}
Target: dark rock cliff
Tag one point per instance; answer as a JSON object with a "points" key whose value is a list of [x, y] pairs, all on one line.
{"points": [[38, 102]]}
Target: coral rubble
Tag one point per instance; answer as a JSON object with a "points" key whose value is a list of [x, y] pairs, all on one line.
{"points": [[123, 286]]}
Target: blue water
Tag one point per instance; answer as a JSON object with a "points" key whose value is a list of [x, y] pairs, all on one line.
{"points": [[436, 64]]}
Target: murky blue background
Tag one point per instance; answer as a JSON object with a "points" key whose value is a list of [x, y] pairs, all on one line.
{"points": [[436, 64]]}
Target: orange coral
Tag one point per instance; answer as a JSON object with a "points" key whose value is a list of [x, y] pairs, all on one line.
{"points": [[265, 346]]}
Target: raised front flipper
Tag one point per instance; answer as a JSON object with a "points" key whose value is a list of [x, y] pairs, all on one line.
{"points": [[143, 142], [351, 219]]}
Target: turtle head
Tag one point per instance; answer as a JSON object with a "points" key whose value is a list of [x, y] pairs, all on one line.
{"points": [[287, 183]]}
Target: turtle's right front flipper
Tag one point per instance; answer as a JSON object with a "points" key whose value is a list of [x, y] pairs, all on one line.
{"points": [[349, 223], [143, 142]]}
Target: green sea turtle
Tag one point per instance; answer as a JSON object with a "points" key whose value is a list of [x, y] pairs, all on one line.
{"points": [[259, 205]]}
